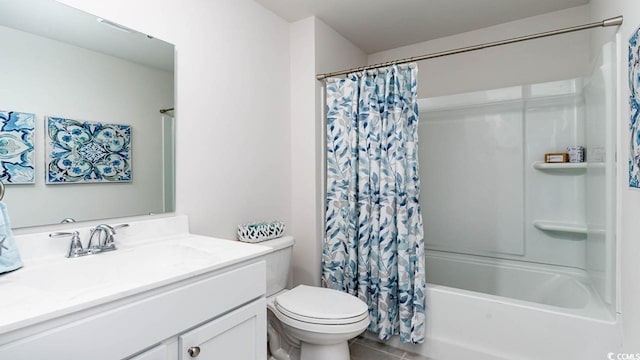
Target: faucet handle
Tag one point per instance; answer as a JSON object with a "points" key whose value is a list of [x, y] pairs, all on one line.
{"points": [[63, 234], [75, 248], [120, 226]]}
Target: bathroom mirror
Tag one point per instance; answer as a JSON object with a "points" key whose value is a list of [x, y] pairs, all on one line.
{"points": [[59, 62]]}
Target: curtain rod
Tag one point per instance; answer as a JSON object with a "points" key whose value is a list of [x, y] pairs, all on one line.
{"points": [[614, 21]]}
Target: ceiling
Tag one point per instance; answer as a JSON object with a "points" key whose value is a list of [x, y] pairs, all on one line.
{"points": [[377, 25], [51, 19]]}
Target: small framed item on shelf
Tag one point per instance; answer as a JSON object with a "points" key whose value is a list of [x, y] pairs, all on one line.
{"points": [[556, 157], [576, 154]]}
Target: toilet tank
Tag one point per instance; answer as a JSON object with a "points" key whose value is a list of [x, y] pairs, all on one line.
{"points": [[278, 263]]}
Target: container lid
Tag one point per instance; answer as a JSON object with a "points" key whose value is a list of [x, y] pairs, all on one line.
{"points": [[321, 306]]}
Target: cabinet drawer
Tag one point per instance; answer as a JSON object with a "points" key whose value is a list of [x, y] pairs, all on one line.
{"points": [[119, 332]]}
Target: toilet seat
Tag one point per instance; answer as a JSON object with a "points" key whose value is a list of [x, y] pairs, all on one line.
{"points": [[320, 306]]}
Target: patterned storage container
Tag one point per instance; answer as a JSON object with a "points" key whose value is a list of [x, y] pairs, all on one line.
{"points": [[260, 231]]}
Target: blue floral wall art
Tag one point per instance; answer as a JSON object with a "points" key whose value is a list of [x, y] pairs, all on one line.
{"points": [[634, 103], [16, 147], [87, 152]]}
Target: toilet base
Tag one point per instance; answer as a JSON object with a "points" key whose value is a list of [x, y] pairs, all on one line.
{"points": [[339, 351], [294, 339]]}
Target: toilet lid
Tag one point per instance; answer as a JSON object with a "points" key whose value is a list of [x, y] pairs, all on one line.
{"points": [[321, 306]]}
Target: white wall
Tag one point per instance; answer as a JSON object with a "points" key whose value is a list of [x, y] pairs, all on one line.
{"points": [[536, 61], [51, 78], [232, 101], [304, 141], [629, 199], [315, 48]]}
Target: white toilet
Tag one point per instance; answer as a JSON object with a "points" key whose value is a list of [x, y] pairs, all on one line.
{"points": [[306, 322]]}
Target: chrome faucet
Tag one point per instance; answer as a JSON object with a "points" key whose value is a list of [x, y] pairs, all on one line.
{"points": [[97, 243], [108, 243], [96, 232]]}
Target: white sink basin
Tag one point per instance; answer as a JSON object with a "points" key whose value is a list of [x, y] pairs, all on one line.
{"points": [[144, 262], [56, 286]]}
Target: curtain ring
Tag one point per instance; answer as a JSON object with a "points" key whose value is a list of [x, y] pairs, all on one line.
{"points": [[1, 190]]}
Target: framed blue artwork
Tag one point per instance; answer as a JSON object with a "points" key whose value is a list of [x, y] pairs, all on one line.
{"points": [[87, 152], [634, 103], [16, 147]]}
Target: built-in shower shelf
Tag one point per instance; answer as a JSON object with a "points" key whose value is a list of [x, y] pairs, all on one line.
{"points": [[556, 226], [541, 165]]}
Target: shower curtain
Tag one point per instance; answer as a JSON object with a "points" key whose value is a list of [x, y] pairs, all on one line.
{"points": [[373, 245]]}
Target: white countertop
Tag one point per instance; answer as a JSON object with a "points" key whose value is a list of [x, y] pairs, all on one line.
{"points": [[46, 288]]}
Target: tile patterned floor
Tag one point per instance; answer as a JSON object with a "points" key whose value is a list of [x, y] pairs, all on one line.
{"points": [[365, 349]]}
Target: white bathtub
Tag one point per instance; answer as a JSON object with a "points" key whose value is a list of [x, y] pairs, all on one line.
{"points": [[484, 308], [556, 286]]}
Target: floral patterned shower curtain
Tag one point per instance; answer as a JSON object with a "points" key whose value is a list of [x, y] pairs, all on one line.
{"points": [[373, 245]]}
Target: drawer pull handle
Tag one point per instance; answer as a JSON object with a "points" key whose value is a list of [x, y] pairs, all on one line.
{"points": [[194, 351]]}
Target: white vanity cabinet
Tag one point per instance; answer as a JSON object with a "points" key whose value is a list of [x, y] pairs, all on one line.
{"points": [[239, 334], [223, 313]]}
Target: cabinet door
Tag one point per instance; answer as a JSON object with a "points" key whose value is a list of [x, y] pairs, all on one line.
{"points": [[240, 334]]}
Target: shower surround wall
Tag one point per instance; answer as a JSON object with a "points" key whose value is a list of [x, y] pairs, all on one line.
{"points": [[478, 154], [491, 194], [601, 137]]}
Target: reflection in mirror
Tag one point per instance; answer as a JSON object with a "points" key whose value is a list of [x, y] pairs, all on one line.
{"points": [[59, 62]]}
